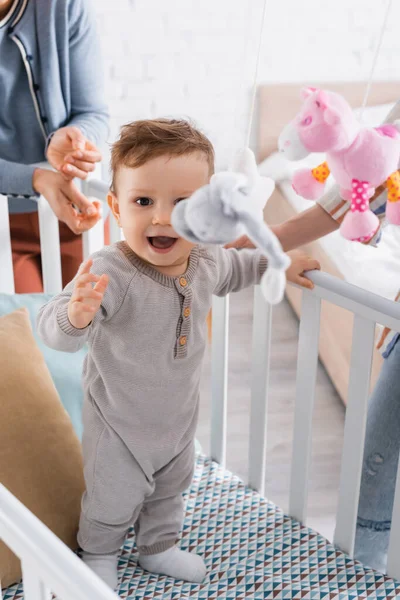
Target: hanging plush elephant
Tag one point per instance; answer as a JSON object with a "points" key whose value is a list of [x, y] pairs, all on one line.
{"points": [[230, 206]]}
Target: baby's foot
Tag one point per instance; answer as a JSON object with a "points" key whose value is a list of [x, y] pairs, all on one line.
{"points": [[104, 565], [175, 563]]}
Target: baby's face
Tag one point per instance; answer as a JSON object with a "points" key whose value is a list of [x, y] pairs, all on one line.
{"points": [[144, 201]]}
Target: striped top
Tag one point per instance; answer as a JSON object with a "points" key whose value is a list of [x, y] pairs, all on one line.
{"points": [[333, 204]]}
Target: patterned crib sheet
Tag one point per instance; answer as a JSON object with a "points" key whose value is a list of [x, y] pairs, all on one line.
{"points": [[252, 551]]}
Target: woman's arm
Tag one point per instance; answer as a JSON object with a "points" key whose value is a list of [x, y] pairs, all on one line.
{"points": [[304, 228], [88, 107], [72, 149], [16, 179]]}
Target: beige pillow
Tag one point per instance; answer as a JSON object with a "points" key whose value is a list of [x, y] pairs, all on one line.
{"points": [[40, 455]]}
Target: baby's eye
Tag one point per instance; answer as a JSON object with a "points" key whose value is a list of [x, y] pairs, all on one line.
{"points": [[144, 201], [179, 200]]}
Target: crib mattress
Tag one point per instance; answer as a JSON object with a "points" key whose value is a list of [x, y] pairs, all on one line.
{"points": [[252, 551]]}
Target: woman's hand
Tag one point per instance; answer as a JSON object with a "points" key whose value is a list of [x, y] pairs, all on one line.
{"points": [[86, 297], [63, 196], [301, 262], [242, 242], [71, 153]]}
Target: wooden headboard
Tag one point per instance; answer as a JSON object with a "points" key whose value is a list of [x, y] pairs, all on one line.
{"points": [[279, 103]]}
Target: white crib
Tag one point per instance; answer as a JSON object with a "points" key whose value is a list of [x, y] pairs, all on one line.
{"points": [[48, 565]]}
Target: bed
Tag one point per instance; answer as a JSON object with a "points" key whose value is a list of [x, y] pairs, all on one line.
{"points": [[276, 105], [251, 548]]}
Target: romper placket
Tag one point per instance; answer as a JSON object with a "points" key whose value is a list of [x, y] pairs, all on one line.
{"points": [[183, 285], [184, 326]]}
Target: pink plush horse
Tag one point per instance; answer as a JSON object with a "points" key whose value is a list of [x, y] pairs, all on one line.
{"points": [[359, 158]]}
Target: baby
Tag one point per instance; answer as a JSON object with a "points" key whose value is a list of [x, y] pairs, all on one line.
{"points": [[141, 305]]}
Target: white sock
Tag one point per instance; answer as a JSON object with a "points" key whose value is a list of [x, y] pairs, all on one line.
{"points": [[104, 565], [175, 563]]}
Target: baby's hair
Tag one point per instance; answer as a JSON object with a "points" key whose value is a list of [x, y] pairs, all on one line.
{"points": [[144, 140]]}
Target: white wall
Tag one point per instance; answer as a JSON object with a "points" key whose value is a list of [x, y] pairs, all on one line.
{"points": [[197, 58]]}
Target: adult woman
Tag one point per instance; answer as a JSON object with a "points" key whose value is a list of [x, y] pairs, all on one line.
{"points": [[52, 109]]}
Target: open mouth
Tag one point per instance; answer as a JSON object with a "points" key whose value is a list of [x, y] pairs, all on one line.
{"points": [[162, 244]]}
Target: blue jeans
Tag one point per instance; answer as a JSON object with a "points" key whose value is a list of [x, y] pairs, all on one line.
{"points": [[379, 472]]}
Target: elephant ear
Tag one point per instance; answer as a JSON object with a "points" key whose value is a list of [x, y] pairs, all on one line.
{"points": [[246, 164], [260, 188], [178, 222]]}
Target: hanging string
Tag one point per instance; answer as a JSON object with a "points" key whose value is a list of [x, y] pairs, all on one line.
{"points": [[375, 59], [254, 90], [370, 79], [239, 115]]}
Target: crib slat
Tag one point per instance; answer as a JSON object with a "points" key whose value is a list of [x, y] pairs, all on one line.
{"points": [[6, 265], [93, 240], [355, 299], [94, 186], [100, 189], [354, 433], [34, 588], [219, 378], [50, 248], [307, 363], [259, 390], [45, 557], [115, 231], [393, 563]]}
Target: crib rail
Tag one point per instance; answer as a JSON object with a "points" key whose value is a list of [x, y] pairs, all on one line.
{"points": [[49, 239], [219, 379], [47, 564], [368, 309], [6, 269]]}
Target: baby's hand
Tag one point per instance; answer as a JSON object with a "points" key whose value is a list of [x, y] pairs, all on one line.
{"points": [[301, 262], [86, 299]]}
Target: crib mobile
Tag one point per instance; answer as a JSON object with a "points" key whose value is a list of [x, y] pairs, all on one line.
{"points": [[232, 205], [360, 159]]}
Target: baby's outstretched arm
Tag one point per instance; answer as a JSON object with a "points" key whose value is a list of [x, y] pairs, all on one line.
{"points": [[237, 270], [86, 299], [94, 295]]}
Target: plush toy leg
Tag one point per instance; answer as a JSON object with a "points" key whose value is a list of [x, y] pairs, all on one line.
{"points": [[274, 279], [311, 184], [360, 223], [393, 203]]}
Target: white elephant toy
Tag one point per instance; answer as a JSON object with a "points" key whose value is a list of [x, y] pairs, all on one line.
{"points": [[230, 206]]}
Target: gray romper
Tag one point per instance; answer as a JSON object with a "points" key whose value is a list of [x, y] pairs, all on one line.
{"points": [[141, 381]]}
